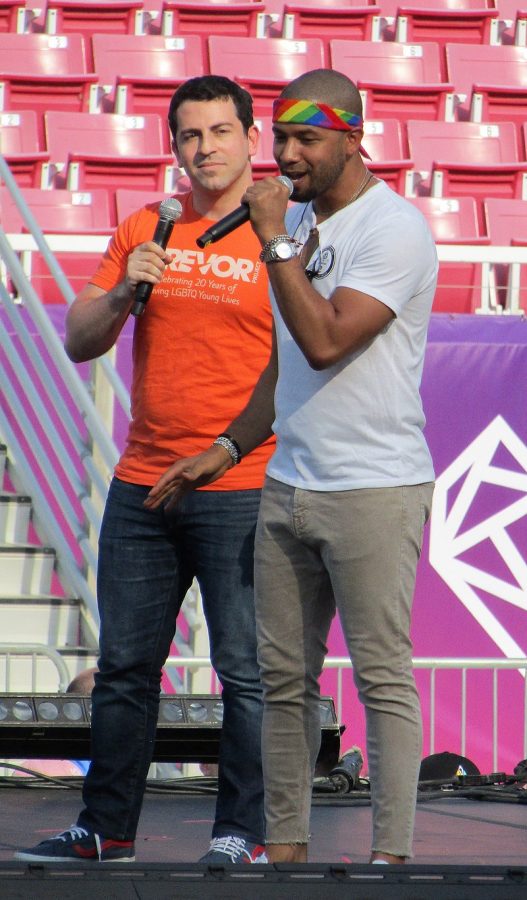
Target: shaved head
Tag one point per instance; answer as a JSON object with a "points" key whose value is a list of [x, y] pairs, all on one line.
{"points": [[326, 86]]}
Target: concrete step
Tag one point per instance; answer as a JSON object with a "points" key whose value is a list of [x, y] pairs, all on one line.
{"points": [[25, 569], [50, 620], [15, 514]]}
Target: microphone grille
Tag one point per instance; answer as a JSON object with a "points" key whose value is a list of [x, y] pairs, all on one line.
{"points": [[283, 179], [170, 209]]}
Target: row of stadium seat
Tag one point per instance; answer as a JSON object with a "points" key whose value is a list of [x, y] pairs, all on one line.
{"points": [[83, 151], [453, 221], [481, 21], [446, 159], [424, 128], [137, 74]]}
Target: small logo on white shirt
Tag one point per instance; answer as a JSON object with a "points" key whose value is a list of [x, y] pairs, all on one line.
{"points": [[323, 263]]}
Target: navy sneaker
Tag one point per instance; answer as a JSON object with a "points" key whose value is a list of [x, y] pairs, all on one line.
{"points": [[76, 844], [233, 850]]}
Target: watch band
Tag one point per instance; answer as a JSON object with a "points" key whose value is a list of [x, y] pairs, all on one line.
{"points": [[267, 249]]}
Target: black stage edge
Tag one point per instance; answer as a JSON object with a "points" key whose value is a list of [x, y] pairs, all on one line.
{"points": [[259, 882]]}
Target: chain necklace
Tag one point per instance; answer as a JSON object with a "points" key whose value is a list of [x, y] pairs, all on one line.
{"points": [[362, 187]]}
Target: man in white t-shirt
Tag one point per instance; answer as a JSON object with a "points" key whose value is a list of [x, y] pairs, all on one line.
{"points": [[353, 270]]}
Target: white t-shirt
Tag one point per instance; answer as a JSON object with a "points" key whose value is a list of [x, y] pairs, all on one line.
{"points": [[359, 423]]}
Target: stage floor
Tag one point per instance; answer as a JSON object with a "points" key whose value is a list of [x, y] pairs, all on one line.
{"points": [[175, 827]]}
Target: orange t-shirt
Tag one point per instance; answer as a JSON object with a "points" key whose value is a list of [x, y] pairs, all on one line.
{"points": [[198, 349]]}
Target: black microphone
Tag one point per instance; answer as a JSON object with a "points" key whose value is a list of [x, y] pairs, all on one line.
{"points": [[169, 212], [234, 219]]}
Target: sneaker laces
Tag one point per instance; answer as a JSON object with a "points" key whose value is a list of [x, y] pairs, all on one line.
{"points": [[230, 845], [75, 832]]}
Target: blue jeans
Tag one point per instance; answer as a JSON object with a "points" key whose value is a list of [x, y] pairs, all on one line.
{"points": [[147, 561]]}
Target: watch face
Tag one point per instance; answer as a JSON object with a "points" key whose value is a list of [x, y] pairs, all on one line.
{"points": [[283, 250]]}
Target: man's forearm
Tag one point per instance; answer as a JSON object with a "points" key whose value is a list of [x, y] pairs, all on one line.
{"points": [[95, 320], [254, 424]]}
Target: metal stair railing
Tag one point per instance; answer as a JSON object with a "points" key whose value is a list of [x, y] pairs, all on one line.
{"points": [[62, 452]]}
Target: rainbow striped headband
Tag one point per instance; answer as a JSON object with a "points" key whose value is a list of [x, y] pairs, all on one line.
{"points": [[305, 112]]}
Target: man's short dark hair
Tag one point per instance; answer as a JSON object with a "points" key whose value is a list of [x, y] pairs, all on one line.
{"points": [[212, 87]]}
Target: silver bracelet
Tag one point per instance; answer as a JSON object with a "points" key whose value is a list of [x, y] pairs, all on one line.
{"points": [[230, 446], [280, 248]]}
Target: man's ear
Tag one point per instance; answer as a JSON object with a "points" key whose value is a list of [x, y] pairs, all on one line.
{"points": [[253, 136], [354, 140]]}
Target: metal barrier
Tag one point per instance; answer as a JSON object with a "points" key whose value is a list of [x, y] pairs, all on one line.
{"points": [[189, 665], [462, 665]]}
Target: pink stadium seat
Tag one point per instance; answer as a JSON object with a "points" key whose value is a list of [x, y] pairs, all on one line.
{"points": [[469, 159], [129, 201], [109, 150], [386, 144], [80, 17], [9, 14], [512, 25], [466, 158], [42, 72], [350, 19], [108, 16], [140, 74], [59, 212], [493, 79], [263, 67], [463, 21], [20, 145], [506, 223], [451, 220], [401, 81], [455, 221], [236, 18], [263, 163], [389, 7]]}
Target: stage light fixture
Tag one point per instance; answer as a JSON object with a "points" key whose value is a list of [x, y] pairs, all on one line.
{"points": [[57, 726]]}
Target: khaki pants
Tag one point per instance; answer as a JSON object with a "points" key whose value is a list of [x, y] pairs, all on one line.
{"points": [[354, 551]]}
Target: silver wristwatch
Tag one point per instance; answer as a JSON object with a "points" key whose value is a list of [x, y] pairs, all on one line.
{"points": [[279, 249]]}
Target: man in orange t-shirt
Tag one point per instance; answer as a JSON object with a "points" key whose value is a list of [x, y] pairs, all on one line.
{"points": [[199, 349]]}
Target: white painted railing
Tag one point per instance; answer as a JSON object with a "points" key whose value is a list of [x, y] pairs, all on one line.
{"points": [[188, 666], [488, 256], [462, 665]]}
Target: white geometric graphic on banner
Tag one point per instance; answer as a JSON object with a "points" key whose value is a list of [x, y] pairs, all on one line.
{"points": [[449, 539]]}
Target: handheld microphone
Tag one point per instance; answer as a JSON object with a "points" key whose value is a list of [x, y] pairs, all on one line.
{"points": [[169, 212], [234, 219]]}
